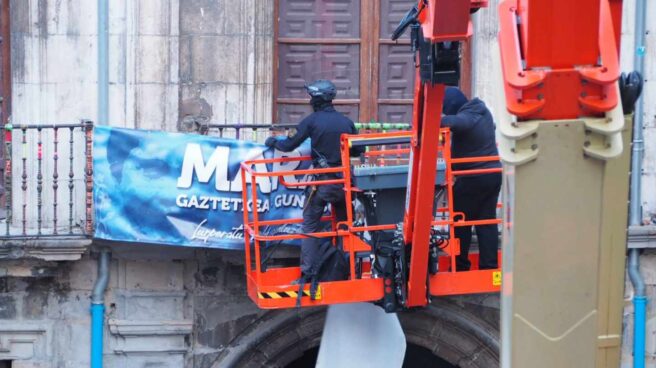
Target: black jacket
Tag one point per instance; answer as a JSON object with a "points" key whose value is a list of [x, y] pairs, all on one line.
{"points": [[324, 128], [472, 132]]}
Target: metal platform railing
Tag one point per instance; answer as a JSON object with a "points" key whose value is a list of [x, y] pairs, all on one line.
{"points": [[258, 132]]}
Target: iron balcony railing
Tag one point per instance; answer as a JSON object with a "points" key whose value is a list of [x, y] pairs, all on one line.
{"points": [[48, 181], [48, 174]]}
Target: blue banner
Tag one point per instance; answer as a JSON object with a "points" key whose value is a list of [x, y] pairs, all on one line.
{"points": [[184, 189]]}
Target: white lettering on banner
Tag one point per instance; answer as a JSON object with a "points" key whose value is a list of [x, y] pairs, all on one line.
{"points": [[194, 163], [289, 200], [263, 182], [222, 203], [204, 234], [217, 166]]}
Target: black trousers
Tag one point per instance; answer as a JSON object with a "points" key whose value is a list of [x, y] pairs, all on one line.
{"points": [[316, 199], [476, 197]]}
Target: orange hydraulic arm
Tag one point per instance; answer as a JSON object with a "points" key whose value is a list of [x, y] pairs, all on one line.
{"points": [[437, 28], [549, 73]]}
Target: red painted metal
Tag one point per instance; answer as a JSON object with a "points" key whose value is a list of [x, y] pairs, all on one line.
{"points": [[448, 282], [278, 280], [561, 67], [466, 160], [616, 14], [346, 162], [555, 34], [413, 168], [423, 184], [445, 20], [476, 172], [470, 282]]}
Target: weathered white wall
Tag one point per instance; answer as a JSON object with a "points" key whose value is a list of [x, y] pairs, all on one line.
{"points": [[226, 58], [53, 60], [143, 68], [162, 53], [172, 64], [159, 312]]}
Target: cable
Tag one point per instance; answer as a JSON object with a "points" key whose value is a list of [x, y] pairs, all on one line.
{"points": [[278, 242]]}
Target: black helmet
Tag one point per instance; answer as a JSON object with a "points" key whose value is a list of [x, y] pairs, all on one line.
{"points": [[322, 88]]}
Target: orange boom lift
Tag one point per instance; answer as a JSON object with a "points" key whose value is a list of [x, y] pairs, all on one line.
{"points": [[547, 76], [564, 151]]}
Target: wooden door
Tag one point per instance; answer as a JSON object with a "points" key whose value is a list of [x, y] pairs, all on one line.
{"points": [[348, 42]]}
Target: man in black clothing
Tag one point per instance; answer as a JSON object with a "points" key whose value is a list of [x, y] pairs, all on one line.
{"points": [[472, 135], [324, 127]]}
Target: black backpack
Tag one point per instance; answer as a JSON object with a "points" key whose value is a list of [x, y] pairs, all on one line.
{"points": [[332, 265]]}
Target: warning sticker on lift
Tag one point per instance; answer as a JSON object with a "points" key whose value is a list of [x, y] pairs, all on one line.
{"points": [[288, 294], [496, 278]]}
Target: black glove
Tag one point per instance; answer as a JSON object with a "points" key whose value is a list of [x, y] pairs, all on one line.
{"points": [[270, 142]]}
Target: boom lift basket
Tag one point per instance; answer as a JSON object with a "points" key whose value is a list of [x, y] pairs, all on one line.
{"points": [[381, 183]]}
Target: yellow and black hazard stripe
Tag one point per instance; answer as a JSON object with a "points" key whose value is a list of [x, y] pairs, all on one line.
{"points": [[287, 294]]}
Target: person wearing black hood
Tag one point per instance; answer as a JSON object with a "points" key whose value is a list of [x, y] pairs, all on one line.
{"points": [[472, 135], [324, 127]]}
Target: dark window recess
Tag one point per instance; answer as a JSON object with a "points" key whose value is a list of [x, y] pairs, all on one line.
{"points": [[5, 363]]}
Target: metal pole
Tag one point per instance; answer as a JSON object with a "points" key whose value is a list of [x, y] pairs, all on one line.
{"points": [[98, 309], [635, 212], [103, 62], [639, 309], [638, 143]]}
